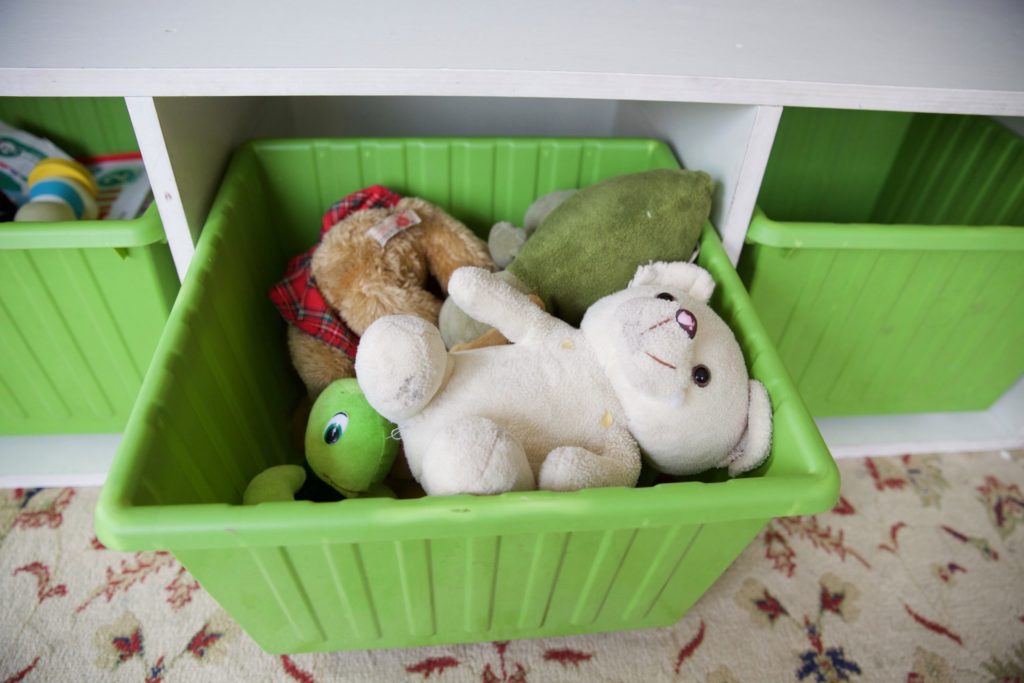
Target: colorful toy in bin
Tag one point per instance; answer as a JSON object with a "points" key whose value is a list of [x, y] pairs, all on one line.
{"points": [[60, 190], [659, 369], [348, 446]]}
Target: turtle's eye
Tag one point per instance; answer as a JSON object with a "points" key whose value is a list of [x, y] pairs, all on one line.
{"points": [[335, 428]]}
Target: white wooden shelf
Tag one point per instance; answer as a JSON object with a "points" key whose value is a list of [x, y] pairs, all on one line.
{"points": [[920, 55], [710, 78]]}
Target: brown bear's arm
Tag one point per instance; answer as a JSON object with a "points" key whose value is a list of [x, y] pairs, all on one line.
{"points": [[447, 243], [362, 282], [369, 300]]}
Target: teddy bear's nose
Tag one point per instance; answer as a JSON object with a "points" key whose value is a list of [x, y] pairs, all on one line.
{"points": [[687, 321]]}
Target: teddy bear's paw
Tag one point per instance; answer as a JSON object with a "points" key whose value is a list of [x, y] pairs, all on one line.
{"points": [[570, 468], [400, 364], [474, 455]]}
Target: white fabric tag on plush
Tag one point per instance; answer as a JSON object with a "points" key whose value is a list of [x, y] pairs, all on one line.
{"points": [[392, 225]]}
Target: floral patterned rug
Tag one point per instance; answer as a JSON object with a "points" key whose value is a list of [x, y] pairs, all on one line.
{"points": [[917, 575]]}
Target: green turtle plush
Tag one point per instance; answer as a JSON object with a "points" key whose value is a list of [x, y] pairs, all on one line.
{"points": [[349, 446]]}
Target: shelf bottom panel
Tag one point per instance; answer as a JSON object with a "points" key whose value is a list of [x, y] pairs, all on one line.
{"points": [[56, 460], [999, 427]]}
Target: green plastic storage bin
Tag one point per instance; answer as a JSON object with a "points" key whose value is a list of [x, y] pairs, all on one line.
{"points": [[887, 263], [374, 573], [82, 303]]}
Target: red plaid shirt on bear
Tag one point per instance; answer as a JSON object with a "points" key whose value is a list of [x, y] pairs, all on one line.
{"points": [[296, 295]]}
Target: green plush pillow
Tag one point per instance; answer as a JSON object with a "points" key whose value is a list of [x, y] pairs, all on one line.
{"points": [[592, 244]]}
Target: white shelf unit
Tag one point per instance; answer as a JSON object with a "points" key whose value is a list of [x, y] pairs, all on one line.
{"points": [[710, 79]]}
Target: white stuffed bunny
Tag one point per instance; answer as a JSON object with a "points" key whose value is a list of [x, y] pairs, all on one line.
{"points": [[652, 368]]}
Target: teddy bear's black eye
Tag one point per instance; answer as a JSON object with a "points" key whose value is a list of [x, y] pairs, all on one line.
{"points": [[666, 296], [701, 375]]}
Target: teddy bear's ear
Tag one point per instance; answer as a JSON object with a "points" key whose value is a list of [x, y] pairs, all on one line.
{"points": [[692, 279], [756, 442]]}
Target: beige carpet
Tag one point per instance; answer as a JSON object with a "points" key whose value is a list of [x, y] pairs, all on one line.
{"points": [[917, 576]]}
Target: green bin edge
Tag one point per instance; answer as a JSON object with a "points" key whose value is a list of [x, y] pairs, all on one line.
{"points": [[116, 234], [874, 236]]}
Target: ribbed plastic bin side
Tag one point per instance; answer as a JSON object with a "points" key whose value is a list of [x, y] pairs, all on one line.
{"points": [[888, 261], [81, 310], [83, 303], [374, 573]]}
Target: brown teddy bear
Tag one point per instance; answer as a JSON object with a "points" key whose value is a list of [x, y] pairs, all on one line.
{"points": [[376, 254]]}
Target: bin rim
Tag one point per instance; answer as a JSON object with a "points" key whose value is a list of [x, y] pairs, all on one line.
{"points": [[123, 526], [256, 143], [118, 234], [770, 232]]}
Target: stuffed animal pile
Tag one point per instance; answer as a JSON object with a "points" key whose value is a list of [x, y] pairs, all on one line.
{"points": [[599, 350]]}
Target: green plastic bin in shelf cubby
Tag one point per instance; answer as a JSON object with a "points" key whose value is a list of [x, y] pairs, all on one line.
{"points": [[83, 303], [374, 572], [886, 260]]}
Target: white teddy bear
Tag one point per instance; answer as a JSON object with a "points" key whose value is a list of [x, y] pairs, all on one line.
{"points": [[651, 369]]}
